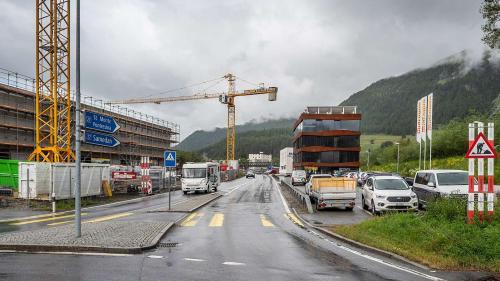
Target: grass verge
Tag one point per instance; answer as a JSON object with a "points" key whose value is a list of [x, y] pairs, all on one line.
{"points": [[438, 238]]}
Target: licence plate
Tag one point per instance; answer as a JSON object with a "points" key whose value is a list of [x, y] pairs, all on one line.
{"points": [[400, 204]]}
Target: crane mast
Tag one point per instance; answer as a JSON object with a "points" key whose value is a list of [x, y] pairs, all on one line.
{"points": [[52, 97], [225, 98]]}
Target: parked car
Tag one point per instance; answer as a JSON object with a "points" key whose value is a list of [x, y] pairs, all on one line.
{"points": [[298, 177], [431, 184], [308, 185], [250, 174], [387, 193]]}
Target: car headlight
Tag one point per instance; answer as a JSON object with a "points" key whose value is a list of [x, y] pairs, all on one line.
{"points": [[203, 181], [413, 195], [380, 196]]}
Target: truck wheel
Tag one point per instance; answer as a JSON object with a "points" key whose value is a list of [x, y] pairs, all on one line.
{"points": [[185, 192], [349, 208]]}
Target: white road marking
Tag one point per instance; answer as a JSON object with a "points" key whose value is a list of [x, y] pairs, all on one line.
{"points": [[155, 257], [238, 186], [233, 263], [190, 259], [69, 253], [281, 196]]}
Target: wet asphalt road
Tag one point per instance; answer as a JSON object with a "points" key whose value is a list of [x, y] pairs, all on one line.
{"points": [[245, 235]]}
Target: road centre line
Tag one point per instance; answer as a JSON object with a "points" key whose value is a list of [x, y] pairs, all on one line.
{"points": [[233, 263], [155, 257], [45, 219], [191, 259], [238, 186]]}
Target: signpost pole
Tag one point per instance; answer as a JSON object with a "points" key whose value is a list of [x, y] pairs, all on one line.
{"points": [[78, 218], [470, 203], [169, 186], [480, 179], [491, 162]]}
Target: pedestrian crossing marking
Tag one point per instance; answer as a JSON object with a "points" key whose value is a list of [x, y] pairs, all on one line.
{"points": [[45, 219], [191, 220], [217, 220], [265, 222]]}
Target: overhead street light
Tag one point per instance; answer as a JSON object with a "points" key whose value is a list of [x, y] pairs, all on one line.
{"points": [[397, 165]]}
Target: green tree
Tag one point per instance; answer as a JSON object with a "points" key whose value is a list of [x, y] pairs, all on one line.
{"points": [[490, 9]]}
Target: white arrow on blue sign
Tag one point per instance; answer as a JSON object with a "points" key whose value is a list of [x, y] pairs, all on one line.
{"points": [[170, 158], [99, 122], [100, 139]]}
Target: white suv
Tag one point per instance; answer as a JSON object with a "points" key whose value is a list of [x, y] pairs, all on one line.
{"points": [[431, 184], [387, 193]]}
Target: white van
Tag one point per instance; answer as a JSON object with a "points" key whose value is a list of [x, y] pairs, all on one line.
{"points": [[204, 177], [431, 184]]}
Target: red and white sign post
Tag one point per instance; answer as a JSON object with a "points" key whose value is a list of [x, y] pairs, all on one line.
{"points": [[147, 187], [480, 147]]}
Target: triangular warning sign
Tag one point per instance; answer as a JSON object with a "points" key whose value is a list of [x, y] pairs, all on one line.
{"points": [[170, 157], [481, 148]]}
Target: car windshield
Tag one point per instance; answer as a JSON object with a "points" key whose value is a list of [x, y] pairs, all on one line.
{"points": [[391, 184], [194, 173], [460, 178]]}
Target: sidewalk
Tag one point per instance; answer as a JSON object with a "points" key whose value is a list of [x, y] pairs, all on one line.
{"points": [[126, 235]]}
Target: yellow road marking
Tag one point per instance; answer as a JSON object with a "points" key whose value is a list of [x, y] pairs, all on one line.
{"points": [[191, 219], [46, 219], [294, 219], [35, 217], [265, 222], [99, 219], [107, 218], [217, 220]]}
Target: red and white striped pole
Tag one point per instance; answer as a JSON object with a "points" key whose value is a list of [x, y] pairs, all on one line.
{"points": [[491, 172], [145, 179], [480, 179], [470, 203]]}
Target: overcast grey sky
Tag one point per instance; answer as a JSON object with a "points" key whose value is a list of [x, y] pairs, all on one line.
{"points": [[316, 52]]}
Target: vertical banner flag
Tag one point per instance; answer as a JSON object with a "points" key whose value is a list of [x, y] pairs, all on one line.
{"points": [[429, 115], [423, 118], [419, 119]]}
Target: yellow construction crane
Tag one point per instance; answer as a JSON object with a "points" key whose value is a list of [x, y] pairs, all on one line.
{"points": [[52, 100], [225, 98]]}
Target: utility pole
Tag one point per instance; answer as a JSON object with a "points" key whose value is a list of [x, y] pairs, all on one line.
{"points": [[368, 161], [78, 163], [397, 165]]}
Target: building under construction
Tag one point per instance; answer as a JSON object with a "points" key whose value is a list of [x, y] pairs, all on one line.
{"points": [[139, 134]]}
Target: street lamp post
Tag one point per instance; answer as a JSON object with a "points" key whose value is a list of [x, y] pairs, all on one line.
{"points": [[368, 160], [397, 165], [78, 210]]}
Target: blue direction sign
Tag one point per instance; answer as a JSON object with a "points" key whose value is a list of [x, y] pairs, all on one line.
{"points": [[100, 139], [99, 122], [170, 159]]}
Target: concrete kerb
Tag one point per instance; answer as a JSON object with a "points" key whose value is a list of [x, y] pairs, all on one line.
{"points": [[359, 244], [93, 249]]}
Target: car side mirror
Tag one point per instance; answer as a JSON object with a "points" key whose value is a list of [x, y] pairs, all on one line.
{"points": [[431, 184], [370, 187]]}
